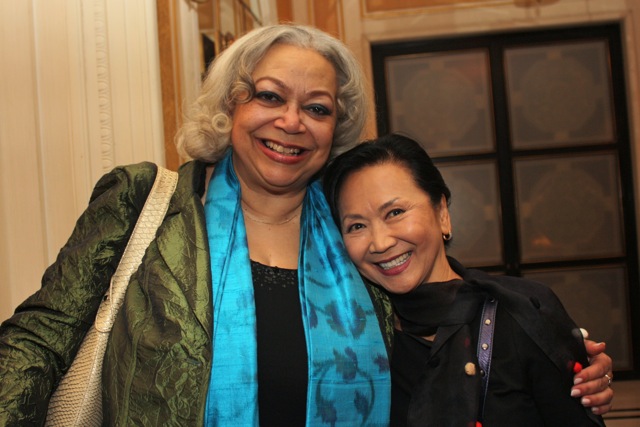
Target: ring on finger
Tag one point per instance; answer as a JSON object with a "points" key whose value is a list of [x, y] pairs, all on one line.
{"points": [[609, 379]]}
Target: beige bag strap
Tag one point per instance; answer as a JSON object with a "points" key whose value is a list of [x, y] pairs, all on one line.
{"points": [[144, 232], [78, 399]]}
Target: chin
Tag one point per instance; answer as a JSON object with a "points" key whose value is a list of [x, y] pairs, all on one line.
{"points": [[396, 289]]}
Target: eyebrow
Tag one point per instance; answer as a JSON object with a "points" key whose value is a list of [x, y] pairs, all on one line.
{"points": [[350, 216], [283, 86], [273, 80], [386, 205]]}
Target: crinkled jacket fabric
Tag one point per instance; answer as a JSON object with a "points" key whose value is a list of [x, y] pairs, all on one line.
{"points": [[156, 367]]}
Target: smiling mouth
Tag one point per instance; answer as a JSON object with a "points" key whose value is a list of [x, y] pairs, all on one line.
{"points": [[282, 150], [395, 262]]}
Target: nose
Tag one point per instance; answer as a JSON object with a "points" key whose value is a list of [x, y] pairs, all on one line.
{"points": [[381, 239], [290, 119]]}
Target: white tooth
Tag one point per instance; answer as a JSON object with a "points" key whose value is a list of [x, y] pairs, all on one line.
{"points": [[280, 149], [395, 262]]}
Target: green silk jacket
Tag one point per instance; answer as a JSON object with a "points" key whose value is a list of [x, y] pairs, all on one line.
{"points": [[156, 367], [157, 364]]}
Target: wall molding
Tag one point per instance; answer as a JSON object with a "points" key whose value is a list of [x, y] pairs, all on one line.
{"points": [[105, 113], [70, 112]]}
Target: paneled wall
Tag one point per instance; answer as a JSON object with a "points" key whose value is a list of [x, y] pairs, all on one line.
{"points": [[79, 94], [372, 21]]}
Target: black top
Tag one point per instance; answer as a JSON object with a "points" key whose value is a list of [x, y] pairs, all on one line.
{"points": [[525, 387], [409, 352], [282, 349]]}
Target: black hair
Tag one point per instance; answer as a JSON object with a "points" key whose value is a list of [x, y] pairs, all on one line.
{"points": [[392, 148]]}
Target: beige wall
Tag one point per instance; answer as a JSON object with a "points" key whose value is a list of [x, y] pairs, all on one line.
{"points": [[79, 94]]}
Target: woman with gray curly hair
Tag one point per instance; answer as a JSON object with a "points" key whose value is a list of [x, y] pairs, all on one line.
{"points": [[245, 310], [205, 134]]}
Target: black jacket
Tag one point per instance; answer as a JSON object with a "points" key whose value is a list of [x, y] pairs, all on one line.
{"points": [[535, 349]]}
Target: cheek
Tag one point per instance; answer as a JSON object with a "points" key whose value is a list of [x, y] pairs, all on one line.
{"points": [[247, 116], [324, 134], [237, 124], [350, 249], [353, 250], [424, 233]]}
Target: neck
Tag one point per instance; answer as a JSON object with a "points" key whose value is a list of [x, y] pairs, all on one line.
{"points": [[424, 309], [271, 218], [262, 207], [271, 209]]}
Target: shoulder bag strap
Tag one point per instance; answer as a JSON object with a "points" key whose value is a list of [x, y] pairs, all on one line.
{"points": [[144, 232], [485, 347], [77, 401]]}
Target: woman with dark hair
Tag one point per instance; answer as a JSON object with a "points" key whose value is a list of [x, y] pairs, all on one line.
{"points": [[391, 205]]}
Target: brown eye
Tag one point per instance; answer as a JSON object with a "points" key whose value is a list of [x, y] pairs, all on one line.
{"points": [[319, 110], [354, 227], [395, 212], [269, 97]]}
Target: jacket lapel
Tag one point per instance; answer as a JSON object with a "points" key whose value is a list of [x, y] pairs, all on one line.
{"points": [[187, 257]]}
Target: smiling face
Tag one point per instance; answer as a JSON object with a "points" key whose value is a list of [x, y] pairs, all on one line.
{"points": [[283, 135], [391, 229]]}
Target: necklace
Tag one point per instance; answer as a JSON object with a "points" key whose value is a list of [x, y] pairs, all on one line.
{"points": [[262, 221]]}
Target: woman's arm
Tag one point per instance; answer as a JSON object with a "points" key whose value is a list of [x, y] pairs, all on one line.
{"points": [[526, 388], [591, 383], [39, 342]]}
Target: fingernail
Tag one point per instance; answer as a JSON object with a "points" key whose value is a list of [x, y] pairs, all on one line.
{"points": [[575, 392], [577, 381], [585, 401], [595, 410]]}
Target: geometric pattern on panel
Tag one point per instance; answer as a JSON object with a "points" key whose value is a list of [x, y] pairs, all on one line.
{"points": [[442, 100], [569, 207], [559, 95]]}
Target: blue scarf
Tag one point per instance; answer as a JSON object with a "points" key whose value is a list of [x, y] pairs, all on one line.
{"points": [[349, 381]]}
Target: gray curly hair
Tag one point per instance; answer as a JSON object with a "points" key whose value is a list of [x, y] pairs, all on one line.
{"points": [[205, 132]]}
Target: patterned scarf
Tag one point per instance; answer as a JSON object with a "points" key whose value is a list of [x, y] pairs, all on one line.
{"points": [[349, 383]]}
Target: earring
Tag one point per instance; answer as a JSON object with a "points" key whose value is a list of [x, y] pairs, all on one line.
{"points": [[447, 237]]}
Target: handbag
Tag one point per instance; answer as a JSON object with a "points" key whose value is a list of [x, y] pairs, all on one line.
{"points": [[77, 401]]}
